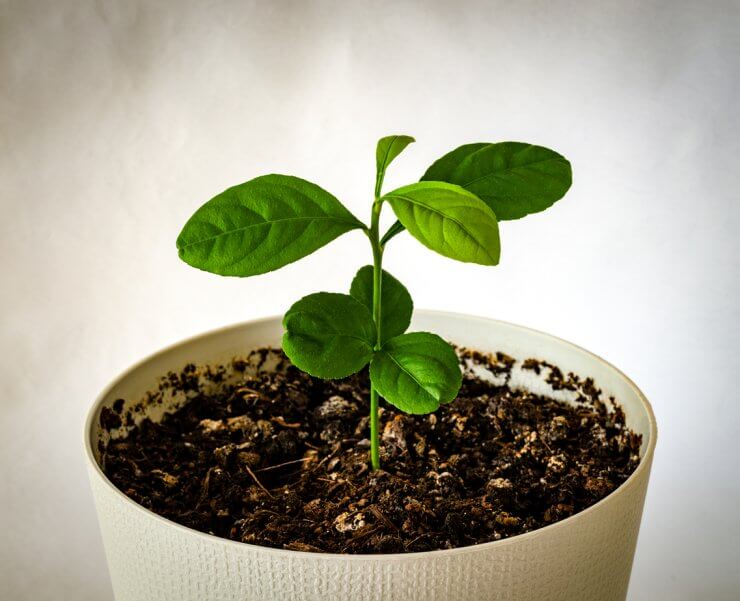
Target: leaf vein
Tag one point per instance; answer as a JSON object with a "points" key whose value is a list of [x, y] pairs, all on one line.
{"points": [[445, 217], [503, 171], [410, 375], [268, 223]]}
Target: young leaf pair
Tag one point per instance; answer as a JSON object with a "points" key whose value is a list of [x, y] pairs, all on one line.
{"points": [[334, 335]]}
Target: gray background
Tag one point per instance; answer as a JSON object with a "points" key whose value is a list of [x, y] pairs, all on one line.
{"points": [[118, 119]]}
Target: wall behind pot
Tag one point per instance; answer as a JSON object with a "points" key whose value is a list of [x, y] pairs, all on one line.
{"points": [[118, 119]]}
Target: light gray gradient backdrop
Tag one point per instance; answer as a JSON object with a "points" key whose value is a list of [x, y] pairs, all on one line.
{"points": [[118, 119]]}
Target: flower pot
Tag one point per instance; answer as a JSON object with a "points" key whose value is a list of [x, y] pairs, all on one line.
{"points": [[587, 556]]}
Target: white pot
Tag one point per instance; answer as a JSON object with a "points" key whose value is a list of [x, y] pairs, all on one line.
{"points": [[585, 557]]}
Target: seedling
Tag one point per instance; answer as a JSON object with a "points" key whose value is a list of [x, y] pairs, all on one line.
{"points": [[273, 220]]}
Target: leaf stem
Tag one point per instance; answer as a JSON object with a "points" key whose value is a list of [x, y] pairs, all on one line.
{"points": [[374, 235]]}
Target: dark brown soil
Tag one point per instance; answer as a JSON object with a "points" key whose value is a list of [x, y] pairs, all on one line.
{"points": [[280, 460]]}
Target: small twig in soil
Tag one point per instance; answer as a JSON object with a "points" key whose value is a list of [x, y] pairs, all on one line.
{"points": [[251, 473], [274, 467], [381, 516], [359, 536], [543, 441], [281, 422], [337, 485], [407, 545]]}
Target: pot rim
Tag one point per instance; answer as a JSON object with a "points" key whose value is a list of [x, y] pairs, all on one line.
{"points": [[96, 471]]}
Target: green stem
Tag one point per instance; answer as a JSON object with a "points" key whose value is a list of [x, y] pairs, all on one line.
{"points": [[374, 235]]}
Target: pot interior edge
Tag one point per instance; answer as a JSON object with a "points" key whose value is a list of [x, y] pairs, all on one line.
{"points": [[222, 345]]}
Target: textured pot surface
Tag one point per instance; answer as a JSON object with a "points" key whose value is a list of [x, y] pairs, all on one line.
{"points": [[585, 557]]}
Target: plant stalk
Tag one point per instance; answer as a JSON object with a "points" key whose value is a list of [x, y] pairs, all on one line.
{"points": [[374, 236]]}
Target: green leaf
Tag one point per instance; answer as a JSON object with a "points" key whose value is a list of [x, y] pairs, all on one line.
{"points": [[513, 178], [262, 225], [388, 149], [416, 372], [395, 229], [449, 220], [395, 300], [329, 335]]}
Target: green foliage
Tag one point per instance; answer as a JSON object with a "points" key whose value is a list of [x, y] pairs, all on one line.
{"points": [[416, 372], [388, 149], [395, 229], [262, 225], [449, 220], [512, 178], [273, 220], [329, 335], [394, 298]]}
